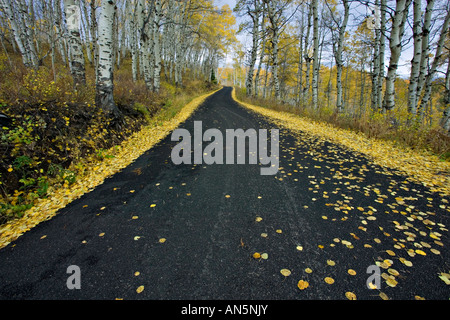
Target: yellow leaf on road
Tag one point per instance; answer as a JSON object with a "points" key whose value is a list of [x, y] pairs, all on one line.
{"points": [[329, 280], [302, 284], [140, 289], [285, 272], [350, 295], [422, 253]]}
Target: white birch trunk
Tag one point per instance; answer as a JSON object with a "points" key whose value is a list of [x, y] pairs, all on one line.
{"points": [[315, 77], [18, 29], [415, 62], [438, 55], [395, 46], [73, 15], [104, 98], [338, 57], [254, 14], [157, 46]]}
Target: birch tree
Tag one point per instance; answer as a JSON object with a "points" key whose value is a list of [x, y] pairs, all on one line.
{"points": [[252, 8], [436, 61], [17, 15], [420, 37], [276, 11], [395, 46], [445, 120], [337, 51], [104, 97], [315, 77], [73, 15]]}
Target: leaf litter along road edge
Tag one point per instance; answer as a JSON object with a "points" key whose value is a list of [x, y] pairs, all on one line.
{"points": [[419, 166], [124, 154]]}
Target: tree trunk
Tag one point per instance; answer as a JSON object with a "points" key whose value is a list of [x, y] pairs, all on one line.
{"points": [[381, 50], [395, 45], [104, 97], [338, 57], [157, 46], [73, 15], [272, 14], [438, 55], [315, 78], [18, 28], [254, 14]]}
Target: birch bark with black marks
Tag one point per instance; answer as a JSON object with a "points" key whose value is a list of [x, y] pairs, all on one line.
{"points": [[395, 46], [104, 98], [445, 120], [261, 54], [253, 9], [437, 57], [73, 15], [157, 18], [420, 47], [315, 77], [18, 28], [337, 48]]}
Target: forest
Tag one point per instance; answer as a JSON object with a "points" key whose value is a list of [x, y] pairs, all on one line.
{"points": [[378, 67], [80, 76]]}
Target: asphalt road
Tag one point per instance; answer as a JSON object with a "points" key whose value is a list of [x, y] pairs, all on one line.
{"points": [[208, 217]]}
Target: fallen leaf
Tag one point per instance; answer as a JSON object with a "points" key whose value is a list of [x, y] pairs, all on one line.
{"points": [[134, 217], [383, 296], [329, 280], [391, 282], [351, 272], [152, 205], [350, 295], [162, 240], [285, 272], [302, 284], [101, 234], [140, 289], [445, 277], [422, 253], [258, 219], [390, 252], [435, 251], [256, 255], [279, 231], [331, 263], [265, 256]]}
